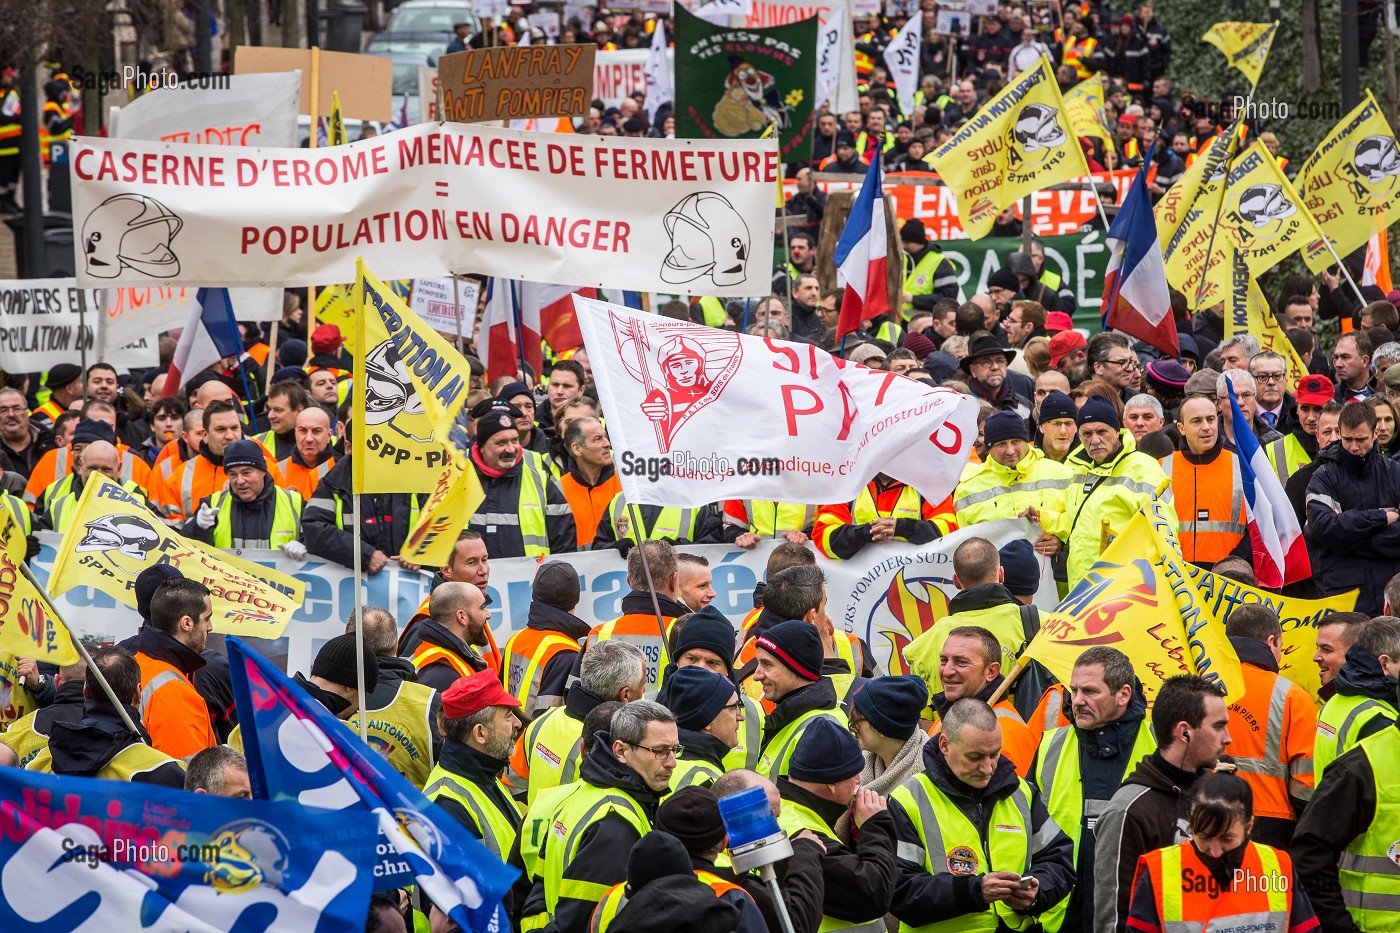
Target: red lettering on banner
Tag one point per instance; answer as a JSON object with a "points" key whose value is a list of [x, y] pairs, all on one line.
{"points": [[791, 412]]}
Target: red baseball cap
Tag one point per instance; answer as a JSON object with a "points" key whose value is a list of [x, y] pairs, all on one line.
{"points": [[1065, 342], [473, 694], [1315, 390], [1057, 321]]}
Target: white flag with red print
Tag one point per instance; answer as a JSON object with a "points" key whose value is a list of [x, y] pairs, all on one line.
{"points": [[698, 414]]}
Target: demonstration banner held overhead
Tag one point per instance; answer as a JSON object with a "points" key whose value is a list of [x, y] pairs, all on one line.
{"points": [[697, 414], [1349, 183], [1020, 141], [114, 536], [42, 321], [640, 214], [446, 304], [739, 83], [86, 854]]}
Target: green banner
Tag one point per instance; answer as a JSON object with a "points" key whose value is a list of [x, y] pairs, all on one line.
{"points": [[1081, 259], [736, 83]]}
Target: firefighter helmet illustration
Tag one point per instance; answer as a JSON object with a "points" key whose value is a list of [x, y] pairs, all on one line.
{"points": [[1038, 127], [708, 240], [389, 390], [251, 853], [1376, 159], [126, 534], [1262, 205], [131, 231]]}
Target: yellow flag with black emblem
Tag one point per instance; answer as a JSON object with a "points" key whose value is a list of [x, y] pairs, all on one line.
{"points": [[1018, 142], [1262, 217], [410, 396], [1245, 45], [1084, 103], [451, 506], [335, 134], [29, 627], [1247, 313], [1349, 184], [1186, 218], [115, 536]]}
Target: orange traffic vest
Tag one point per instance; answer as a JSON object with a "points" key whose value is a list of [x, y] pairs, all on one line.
{"points": [[179, 494], [172, 710], [589, 505], [303, 479], [56, 464], [1209, 502], [1272, 728], [1187, 897], [1050, 714], [427, 654], [639, 630], [523, 662], [1017, 741], [492, 654], [1077, 53], [49, 409]]}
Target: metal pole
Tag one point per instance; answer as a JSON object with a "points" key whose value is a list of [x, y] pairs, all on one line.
{"points": [[359, 622], [32, 168], [272, 356], [1351, 55], [203, 42], [637, 529], [1027, 234], [311, 143], [82, 333], [457, 310]]}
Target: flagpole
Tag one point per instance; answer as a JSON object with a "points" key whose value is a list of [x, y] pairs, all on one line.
{"points": [[519, 332], [637, 529], [272, 354], [359, 620], [82, 650], [238, 361], [311, 144]]}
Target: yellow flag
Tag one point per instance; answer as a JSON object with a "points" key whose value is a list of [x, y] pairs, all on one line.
{"points": [[336, 305], [1186, 222], [335, 133], [1245, 45], [114, 537], [29, 628], [410, 393], [1248, 312], [1084, 103], [1137, 598], [1020, 141], [1262, 217], [453, 503], [1349, 182]]}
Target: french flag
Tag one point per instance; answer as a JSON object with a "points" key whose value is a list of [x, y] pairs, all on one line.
{"points": [[1136, 298], [1280, 554], [210, 335], [860, 257], [518, 316]]}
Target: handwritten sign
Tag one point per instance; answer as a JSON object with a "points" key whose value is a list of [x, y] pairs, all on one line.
{"points": [[515, 82]]}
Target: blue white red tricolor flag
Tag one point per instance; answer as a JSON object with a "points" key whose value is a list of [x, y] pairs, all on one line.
{"points": [[1136, 297], [860, 257], [210, 335], [1280, 554]]}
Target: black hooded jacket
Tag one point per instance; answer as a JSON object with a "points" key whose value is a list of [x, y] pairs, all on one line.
{"points": [[555, 677], [440, 674], [859, 881], [85, 747], [1351, 544], [803, 700], [673, 903], [1361, 675], [473, 766]]}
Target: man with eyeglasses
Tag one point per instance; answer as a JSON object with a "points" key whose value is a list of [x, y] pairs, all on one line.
{"points": [[23, 441], [709, 715], [1111, 358], [1247, 394], [986, 366], [621, 782], [1275, 405]]}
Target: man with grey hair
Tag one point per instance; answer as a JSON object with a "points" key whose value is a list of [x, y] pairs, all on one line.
{"points": [[1276, 405], [1383, 357], [549, 756], [967, 793], [621, 783], [400, 713], [1247, 394], [1236, 352], [218, 770], [1142, 415]]}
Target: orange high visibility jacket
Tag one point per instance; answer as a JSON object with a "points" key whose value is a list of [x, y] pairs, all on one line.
{"points": [[897, 501], [589, 503], [303, 478], [489, 652], [1050, 714], [176, 497], [1272, 728], [172, 710], [1260, 897], [638, 629], [167, 460], [526, 654], [1078, 52], [1017, 741], [1209, 502], [58, 463]]}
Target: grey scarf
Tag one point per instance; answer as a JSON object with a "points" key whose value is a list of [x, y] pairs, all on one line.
{"points": [[907, 763]]}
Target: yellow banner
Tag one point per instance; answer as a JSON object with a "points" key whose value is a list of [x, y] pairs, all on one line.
{"points": [[335, 132], [336, 305], [114, 537], [1018, 142], [1084, 104], [1137, 598], [1186, 220], [1248, 312], [410, 393], [1245, 45], [453, 503], [1349, 182], [29, 628]]}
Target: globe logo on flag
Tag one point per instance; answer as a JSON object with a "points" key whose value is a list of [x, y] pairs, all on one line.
{"points": [[251, 853]]}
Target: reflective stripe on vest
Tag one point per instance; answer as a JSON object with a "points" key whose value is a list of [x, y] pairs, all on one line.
{"points": [[1272, 765], [529, 516], [952, 845], [1340, 716], [155, 683], [286, 521], [671, 523], [403, 726], [642, 632], [746, 754], [1206, 540], [497, 831], [1262, 904], [428, 654], [919, 279], [777, 751], [584, 808], [692, 772], [908, 505], [524, 659], [553, 747], [768, 519], [1369, 876]]}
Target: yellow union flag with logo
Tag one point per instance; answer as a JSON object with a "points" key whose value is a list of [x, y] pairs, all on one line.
{"points": [[1349, 182], [1084, 103], [410, 396], [1137, 598], [114, 537], [1186, 222], [29, 627], [1248, 314], [1245, 45], [1018, 142], [452, 505]]}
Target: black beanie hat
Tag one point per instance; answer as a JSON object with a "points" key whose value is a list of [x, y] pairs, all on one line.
{"points": [[709, 630], [556, 584], [1055, 406], [1020, 568], [336, 663], [826, 753], [148, 581], [893, 705], [797, 646], [90, 430], [1098, 410], [655, 855], [692, 816], [1004, 278], [695, 695], [494, 422], [1004, 426]]}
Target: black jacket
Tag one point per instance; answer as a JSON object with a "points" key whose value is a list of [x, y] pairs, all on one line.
{"points": [[859, 883], [85, 747], [440, 674], [1343, 806], [67, 706], [814, 696], [555, 676], [1350, 544], [24, 461], [1361, 675], [472, 766], [799, 879], [921, 898], [248, 521], [601, 857], [682, 902], [503, 498], [384, 525]]}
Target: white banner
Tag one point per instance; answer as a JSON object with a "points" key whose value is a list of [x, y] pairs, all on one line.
{"points": [[638, 214], [697, 414], [618, 74], [427, 94], [437, 302], [254, 110], [902, 58], [40, 326], [829, 61], [660, 78], [133, 313], [781, 12], [888, 594]]}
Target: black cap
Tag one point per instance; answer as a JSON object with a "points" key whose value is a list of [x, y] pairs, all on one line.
{"points": [[913, 232], [1055, 406], [336, 662], [826, 753], [845, 138], [556, 584], [90, 430], [692, 816], [1004, 278], [656, 855], [1020, 568], [63, 374], [148, 581], [707, 629]]}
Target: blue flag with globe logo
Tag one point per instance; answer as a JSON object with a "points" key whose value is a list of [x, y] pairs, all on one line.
{"points": [[82, 854], [297, 751]]}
